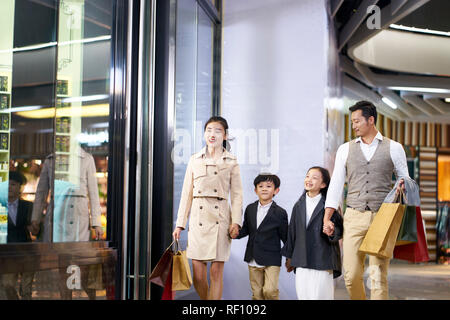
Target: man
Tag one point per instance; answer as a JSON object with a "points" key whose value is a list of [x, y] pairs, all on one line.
{"points": [[19, 216], [367, 163]]}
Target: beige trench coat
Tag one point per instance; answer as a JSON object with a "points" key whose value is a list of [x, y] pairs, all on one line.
{"points": [[207, 187], [77, 205]]}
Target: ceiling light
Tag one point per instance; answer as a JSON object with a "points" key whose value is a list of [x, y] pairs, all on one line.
{"points": [[389, 103], [86, 98], [419, 89], [54, 43], [447, 100], [98, 110], [419, 30], [24, 108]]}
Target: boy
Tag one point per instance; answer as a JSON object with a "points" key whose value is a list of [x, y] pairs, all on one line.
{"points": [[266, 224], [19, 216]]}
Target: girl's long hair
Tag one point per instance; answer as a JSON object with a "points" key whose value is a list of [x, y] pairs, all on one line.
{"points": [[325, 179]]}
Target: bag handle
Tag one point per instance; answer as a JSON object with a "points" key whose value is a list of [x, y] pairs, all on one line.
{"points": [[400, 197]]}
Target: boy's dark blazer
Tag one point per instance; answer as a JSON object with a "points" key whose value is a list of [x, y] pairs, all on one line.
{"points": [[264, 242], [19, 231]]}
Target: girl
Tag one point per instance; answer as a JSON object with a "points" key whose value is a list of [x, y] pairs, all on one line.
{"points": [[212, 177], [314, 255]]}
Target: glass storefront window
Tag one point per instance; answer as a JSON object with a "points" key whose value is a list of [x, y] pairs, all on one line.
{"points": [[193, 88], [55, 62]]}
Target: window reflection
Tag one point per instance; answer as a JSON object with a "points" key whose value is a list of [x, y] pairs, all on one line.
{"points": [[54, 118], [193, 87]]}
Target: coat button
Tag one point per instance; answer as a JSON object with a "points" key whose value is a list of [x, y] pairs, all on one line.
{"points": [[367, 172], [368, 162], [217, 207], [201, 207], [215, 190], [199, 191], [217, 222], [215, 172], [200, 224], [71, 205], [367, 191]]}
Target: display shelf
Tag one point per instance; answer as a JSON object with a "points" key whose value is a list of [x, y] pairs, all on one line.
{"points": [[428, 194]]}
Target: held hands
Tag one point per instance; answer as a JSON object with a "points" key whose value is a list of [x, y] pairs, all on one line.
{"points": [[34, 228], [289, 268], [233, 230], [328, 227]]}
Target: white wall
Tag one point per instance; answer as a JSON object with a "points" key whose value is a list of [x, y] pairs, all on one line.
{"points": [[274, 83]]}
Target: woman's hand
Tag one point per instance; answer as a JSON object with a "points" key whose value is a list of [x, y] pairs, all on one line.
{"points": [[176, 233], [233, 230]]}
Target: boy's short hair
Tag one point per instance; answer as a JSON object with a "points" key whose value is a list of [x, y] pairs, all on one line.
{"points": [[262, 177], [17, 177]]}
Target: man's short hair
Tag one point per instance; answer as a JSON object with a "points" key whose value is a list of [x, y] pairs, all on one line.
{"points": [[367, 108], [262, 177], [17, 177]]}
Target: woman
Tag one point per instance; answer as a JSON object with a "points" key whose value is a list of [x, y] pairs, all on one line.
{"points": [[212, 177]]}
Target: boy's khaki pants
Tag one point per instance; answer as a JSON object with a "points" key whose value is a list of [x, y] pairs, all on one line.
{"points": [[264, 282], [356, 224]]}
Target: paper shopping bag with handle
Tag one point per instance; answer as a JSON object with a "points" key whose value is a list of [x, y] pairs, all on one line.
{"points": [[382, 234], [162, 268], [417, 251], [408, 229], [181, 271]]}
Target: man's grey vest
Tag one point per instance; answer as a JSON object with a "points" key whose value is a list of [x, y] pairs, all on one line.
{"points": [[369, 182]]}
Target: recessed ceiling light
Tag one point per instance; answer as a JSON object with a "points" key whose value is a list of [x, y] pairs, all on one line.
{"points": [[419, 30], [389, 103], [419, 89]]}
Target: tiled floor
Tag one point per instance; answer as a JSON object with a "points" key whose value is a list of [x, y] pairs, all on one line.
{"points": [[411, 282], [406, 282]]}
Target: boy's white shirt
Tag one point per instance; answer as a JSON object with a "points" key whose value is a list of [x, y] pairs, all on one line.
{"points": [[260, 215]]}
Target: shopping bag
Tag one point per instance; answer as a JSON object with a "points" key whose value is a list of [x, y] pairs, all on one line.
{"points": [[168, 293], [162, 268], [95, 277], [408, 229], [181, 271], [415, 252], [382, 234]]}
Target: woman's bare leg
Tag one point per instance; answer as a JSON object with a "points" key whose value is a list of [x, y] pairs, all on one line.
{"points": [[216, 280], [200, 278]]}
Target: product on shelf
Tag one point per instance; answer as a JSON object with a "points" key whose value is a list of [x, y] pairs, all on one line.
{"points": [[3, 83], [4, 101]]}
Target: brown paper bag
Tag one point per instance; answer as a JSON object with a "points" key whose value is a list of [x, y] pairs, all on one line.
{"points": [[181, 272], [162, 268], [382, 234], [95, 277]]}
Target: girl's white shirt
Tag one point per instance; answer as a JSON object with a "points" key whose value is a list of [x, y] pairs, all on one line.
{"points": [[311, 204]]}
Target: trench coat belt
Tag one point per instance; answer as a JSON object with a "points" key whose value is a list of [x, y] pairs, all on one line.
{"points": [[218, 198]]}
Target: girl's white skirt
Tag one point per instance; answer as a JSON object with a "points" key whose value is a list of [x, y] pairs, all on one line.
{"points": [[312, 284]]}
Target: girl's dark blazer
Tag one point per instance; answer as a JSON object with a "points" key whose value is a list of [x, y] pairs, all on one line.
{"points": [[264, 242], [307, 246]]}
